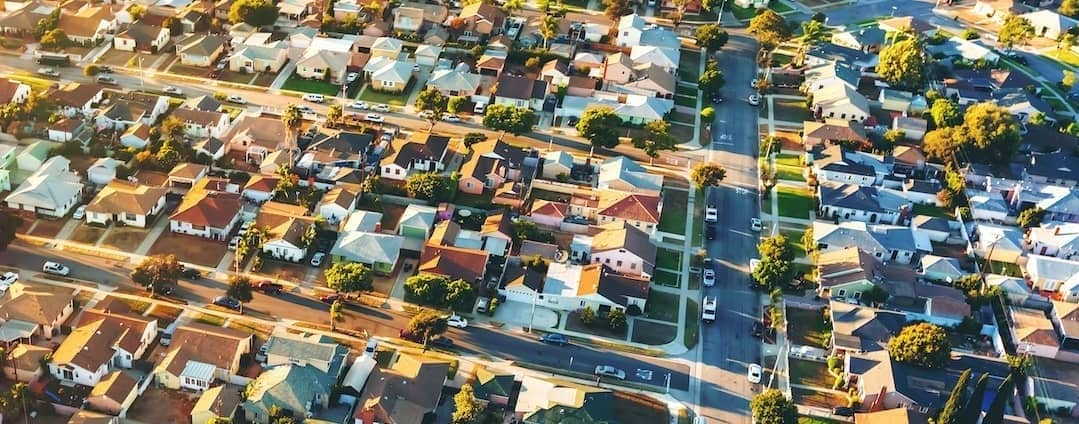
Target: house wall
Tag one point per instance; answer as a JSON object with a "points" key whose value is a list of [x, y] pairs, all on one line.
{"points": [[205, 232], [282, 250], [394, 172], [470, 185], [124, 44], [844, 111], [648, 227], [105, 404], [622, 261], [197, 60], [850, 291], [547, 220], [132, 141], [257, 196], [860, 215], [844, 178], [79, 375], [1039, 350], [389, 86], [333, 212], [25, 376], [59, 212]]}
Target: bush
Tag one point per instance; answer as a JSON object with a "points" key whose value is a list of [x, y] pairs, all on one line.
{"points": [[588, 316], [91, 70], [492, 307]]}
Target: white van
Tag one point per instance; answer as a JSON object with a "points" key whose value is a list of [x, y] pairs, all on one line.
{"points": [[317, 98], [479, 108]]}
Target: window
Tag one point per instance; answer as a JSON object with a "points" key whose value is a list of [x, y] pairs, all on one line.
{"points": [[858, 295], [607, 261], [633, 265], [842, 293], [387, 83], [619, 263]]}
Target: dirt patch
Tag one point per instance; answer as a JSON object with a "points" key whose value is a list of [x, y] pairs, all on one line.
{"points": [[284, 270], [47, 228], [115, 58], [196, 250], [165, 315], [163, 406], [87, 234], [125, 239]]}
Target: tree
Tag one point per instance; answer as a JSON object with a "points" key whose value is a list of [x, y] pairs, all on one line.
{"points": [[616, 9], [55, 39], [349, 277], [657, 138], [973, 409], [1069, 8], [432, 100], [769, 27], [292, 118], [1030, 217], [239, 288], [679, 12], [466, 409], [921, 344], [945, 113], [472, 138], [875, 296], [708, 114], [711, 36], [1068, 81], [137, 11], [968, 283], [46, 24], [893, 137], [903, 63], [456, 104], [460, 295], [588, 315], [616, 319], [812, 32], [8, 224], [548, 29], [777, 247], [511, 5], [334, 113], [771, 407], [993, 131], [995, 413], [427, 324], [1015, 30], [157, 272], [514, 120], [428, 186], [287, 183], [172, 128], [600, 126], [711, 80], [253, 12], [775, 267], [952, 411], [335, 314], [426, 289], [1038, 118], [527, 230], [940, 144], [707, 174]]}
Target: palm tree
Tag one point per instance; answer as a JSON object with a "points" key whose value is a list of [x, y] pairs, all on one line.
{"points": [[511, 5], [811, 33], [335, 314], [548, 29], [292, 119], [333, 115]]}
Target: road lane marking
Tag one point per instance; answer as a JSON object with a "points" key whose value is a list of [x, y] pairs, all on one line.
{"points": [[741, 233]]}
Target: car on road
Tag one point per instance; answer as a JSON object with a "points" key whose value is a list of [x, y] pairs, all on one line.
{"points": [[269, 287], [456, 321], [351, 77], [57, 268], [755, 224], [758, 329], [717, 98], [753, 84], [80, 212], [234, 243], [441, 341], [105, 79], [8, 278], [52, 72], [709, 277], [754, 100], [1016, 57], [305, 109], [843, 411], [173, 90], [189, 273], [555, 339], [710, 232], [449, 117], [754, 374], [610, 371], [426, 114], [316, 259], [711, 214], [479, 108], [236, 99], [380, 108], [330, 298], [227, 302], [359, 105], [316, 98], [710, 307], [374, 117]]}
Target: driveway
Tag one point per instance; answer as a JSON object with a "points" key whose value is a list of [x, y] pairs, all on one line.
{"points": [[517, 313]]}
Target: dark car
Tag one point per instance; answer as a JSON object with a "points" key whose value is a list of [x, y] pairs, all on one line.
{"points": [[555, 339], [407, 335], [269, 287], [104, 69], [330, 298], [572, 121], [190, 273], [710, 232], [441, 341], [717, 98], [758, 329], [843, 411], [1016, 57], [227, 302]]}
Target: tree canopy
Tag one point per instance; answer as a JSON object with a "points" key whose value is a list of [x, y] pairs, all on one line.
{"points": [[995, 413], [1016, 30], [771, 407], [253, 12], [616, 9], [157, 272], [992, 131], [427, 324], [429, 186], [466, 409], [769, 27], [509, 119], [945, 113], [951, 413], [903, 63], [707, 174], [600, 126], [1069, 8], [439, 291], [432, 100], [239, 288], [657, 138], [940, 144], [711, 36], [711, 80], [922, 344], [1030, 217], [349, 277]]}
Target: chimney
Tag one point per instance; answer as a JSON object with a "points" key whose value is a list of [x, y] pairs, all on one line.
{"points": [[378, 227], [1056, 230]]}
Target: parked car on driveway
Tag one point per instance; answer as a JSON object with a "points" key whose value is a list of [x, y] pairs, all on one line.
{"points": [[555, 339], [56, 268], [316, 259], [755, 372], [609, 371], [227, 302], [80, 212]]}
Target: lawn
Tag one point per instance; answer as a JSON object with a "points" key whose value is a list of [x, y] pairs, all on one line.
{"points": [[682, 90], [795, 238], [683, 132], [673, 217], [687, 118], [192, 249], [816, 420], [479, 201], [1004, 268], [689, 67], [669, 259], [264, 79], [137, 306], [653, 333], [789, 174], [125, 239], [793, 161], [1065, 56], [209, 319], [743, 13], [806, 327], [165, 314], [791, 110], [692, 324], [698, 221], [931, 210], [190, 71], [392, 99], [87, 234], [662, 306], [298, 83], [810, 373], [779, 7], [667, 278], [793, 202], [780, 59], [685, 101]]}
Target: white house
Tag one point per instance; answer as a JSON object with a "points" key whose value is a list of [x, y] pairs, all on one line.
{"points": [[939, 268], [855, 202], [1000, 243], [288, 228], [840, 101], [885, 242], [199, 123], [336, 204], [1060, 239], [13, 92], [1049, 24], [424, 152], [52, 190], [104, 340], [126, 202], [142, 37], [210, 209], [1033, 332], [137, 136], [621, 247], [570, 287], [1054, 275]]}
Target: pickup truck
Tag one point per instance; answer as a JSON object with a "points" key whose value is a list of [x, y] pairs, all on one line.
{"points": [[709, 314], [269, 287]]}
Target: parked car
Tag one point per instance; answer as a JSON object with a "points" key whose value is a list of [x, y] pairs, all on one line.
{"points": [[316, 259], [456, 321], [555, 339], [80, 212], [227, 302], [1016, 57], [351, 77], [102, 69], [755, 224], [236, 99], [754, 100], [173, 90], [330, 298], [52, 72], [711, 214], [755, 372], [234, 243], [843, 411], [710, 232], [380, 108], [425, 114], [105, 79], [269, 287], [572, 121], [189, 273], [479, 108], [359, 105], [317, 98], [9, 278], [374, 117], [441, 341], [610, 371], [709, 277], [710, 308], [56, 268], [449, 117], [717, 98]]}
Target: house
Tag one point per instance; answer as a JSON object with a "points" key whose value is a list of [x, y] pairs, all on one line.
{"points": [[377, 250], [490, 164], [555, 163], [1058, 239], [405, 392], [198, 124], [1014, 288], [491, 63], [455, 82], [290, 230], [868, 39], [1055, 276], [337, 203], [215, 402], [495, 236], [490, 387], [193, 20], [858, 329], [617, 69], [33, 157], [129, 108], [256, 137], [987, 206], [885, 242], [423, 152], [1000, 9], [325, 60], [1052, 169], [940, 269], [67, 129], [921, 390], [103, 340], [13, 92], [481, 20], [623, 248], [77, 98], [1060, 203], [301, 370], [389, 75], [895, 100], [203, 103], [845, 274], [1065, 318], [142, 38], [913, 129], [260, 188], [1049, 24], [335, 149], [209, 209], [387, 47], [923, 192], [114, 394], [832, 131], [570, 287], [837, 165], [828, 74], [427, 54], [89, 25], [959, 48], [251, 58], [415, 225], [908, 158], [24, 364], [126, 202], [634, 31], [924, 301], [1033, 332], [1023, 106], [840, 101], [632, 108], [664, 58], [453, 262], [199, 354], [936, 229], [905, 23], [860, 203], [35, 310], [999, 243], [520, 92], [557, 72], [549, 399], [136, 136], [52, 190], [588, 63], [201, 50], [408, 19], [183, 176]]}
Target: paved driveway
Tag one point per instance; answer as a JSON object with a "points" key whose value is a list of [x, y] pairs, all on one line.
{"points": [[517, 313]]}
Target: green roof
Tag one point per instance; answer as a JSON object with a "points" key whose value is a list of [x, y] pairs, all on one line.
{"points": [[488, 383], [598, 408]]}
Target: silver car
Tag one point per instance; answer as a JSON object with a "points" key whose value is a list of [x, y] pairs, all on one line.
{"points": [[609, 371]]}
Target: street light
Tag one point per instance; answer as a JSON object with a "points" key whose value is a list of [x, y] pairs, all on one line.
{"points": [[533, 314], [893, 10], [668, 383]]}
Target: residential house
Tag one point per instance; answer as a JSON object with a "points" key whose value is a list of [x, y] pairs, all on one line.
{"points": [[141, 37], [325, 59], [665, 58], [348, 9], [588, 63], [828, 74], [199, 354], [867, 39], [77, 98], [215, 402], [1000, 9], [335, 149], [423, 152], [493, 237], [260, 188], [203, 103], [408, 391], [1058, 278], [389, 75], [906, 23], [840, 101], [489, 165], [550, 214], [290, 230], [24, 364], [52, 190], [896, 100], [33, 157], [556, 72], [387, 47], [940, 269], [491, 63], [1052, 169], [104, 339], [832, 131], [183, 176], [999, 243], [198, 124], [923, 192], [360, 241], [1065, 318], [1060, 203], [634, 31], [549, 400], [859, 329], [129, 108], [13, 92], [1023, 106], [256, 137], [1049, 24], [622, 247], [193, 20], [907, 158], [201, 50], [126, 202], [252, 57], [988, 206], [845, 274], [67, 129], [441, 255], [455, 82], [427, 54], [1014, 288], [489, 387], [337, 203], [415, 225], [89, 25], [297, 389], [136, 136], [632, 108], [648, 80], [958, 48], [903, 386], [209, 209], [520, 92], [837, 165], [114, 394], [923, 301], [555, 163], [571, 287], [34, 310], [409, 19], [1033, 332], [885, 242], [617, 69], [913, 129], [481, 20], [1058, 239], [860, 203]]}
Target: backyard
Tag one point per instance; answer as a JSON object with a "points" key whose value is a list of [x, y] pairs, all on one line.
{"points": [[931, 210], [795, 239], [806, 327], [810, 373], [673, 217], [794, 202]]}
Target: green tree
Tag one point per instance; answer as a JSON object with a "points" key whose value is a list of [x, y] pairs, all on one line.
{"points": [[429, 186], [239, 288], [1038, 118], [588, 315], [466, 409], [707, 174], [1015, 30], [472, 138], [993, 131], [427, 324], [460, 295], [995, 413], [253, 12], [893, 137], [945, 113], [708, 114], [770, 28], [48, 23], [334, 114], [903, 63], [600, 126], [1030, 217], [433, 101], [288, 184], [711, 37], [336, 314], [968, 283], [514, 120], [456, 104], [711, 80], [616, 9], [172, 128], [616, 319], [952, 411], [548, 28], [55, 39], [427, 289], [875, 296], [777, 247], [657, 138], [771, 407], [921, 344], [940, 144], [512, 5], [157, 273], [1068, 81], [137, 11], [349, 277], [292, 118], [1069, 8], [8, 224], [973, 409], [527, 230]]}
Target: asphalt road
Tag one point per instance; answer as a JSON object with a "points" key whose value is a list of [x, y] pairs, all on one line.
{"points": [[727, 345]]}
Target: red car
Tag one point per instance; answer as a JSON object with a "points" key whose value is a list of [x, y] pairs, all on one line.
{"points": [[269, 287], [330, 298]]}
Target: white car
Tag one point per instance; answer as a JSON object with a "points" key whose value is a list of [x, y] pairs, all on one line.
{"points": [[711, 214], [234, 243], [479, 108], [380, 108], [710, 306], [754, 100], [449, 117], [236, 99], [55, 268], [609, 371], [709, 277], [426, 114], [48, 71], [352, 76], [317, 98], [173, 90], [358, 105], [755, 224], [79, 213], [753, 84], [316, 259], [755, 372], [374, 117], [457, 322], [753, 264]]}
